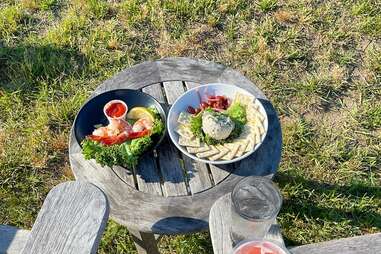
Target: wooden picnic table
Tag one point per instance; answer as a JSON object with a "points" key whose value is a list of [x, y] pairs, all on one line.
{"points": [[169, 193]]}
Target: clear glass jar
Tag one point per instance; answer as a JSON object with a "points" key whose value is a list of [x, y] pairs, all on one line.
{"points": [[256, 202]]}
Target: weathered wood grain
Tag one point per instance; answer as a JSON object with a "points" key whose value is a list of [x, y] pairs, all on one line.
{"points": [[71, 220], [220, 172], [187, 69], [220, 224], [173, 90], [127, 175], [147, 175], [169, 159], [365, 244], [155, 91], [134, 77], [190, 84], [198, 175], [170, 168], [180, 214], [12, 239]]}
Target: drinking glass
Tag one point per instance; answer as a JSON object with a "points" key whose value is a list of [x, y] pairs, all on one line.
{"points": [[256, 202]]}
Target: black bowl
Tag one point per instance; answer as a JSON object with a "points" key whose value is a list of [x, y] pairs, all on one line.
{"points": [[91, 113]]}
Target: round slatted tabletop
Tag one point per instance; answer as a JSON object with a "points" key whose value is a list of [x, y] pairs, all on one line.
{"points": [[168, 192]]}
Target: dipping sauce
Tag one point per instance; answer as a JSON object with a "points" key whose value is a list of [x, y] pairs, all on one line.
{"points": [[259, 247], [115, 109]]}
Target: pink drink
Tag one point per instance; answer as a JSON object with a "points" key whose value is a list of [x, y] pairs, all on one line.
{"points": [[259, 247]]}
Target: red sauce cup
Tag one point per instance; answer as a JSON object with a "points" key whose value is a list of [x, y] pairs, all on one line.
{"points": [[115, 110]]}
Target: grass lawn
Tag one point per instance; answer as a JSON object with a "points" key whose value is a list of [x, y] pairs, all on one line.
{"points": [[318, 61]]}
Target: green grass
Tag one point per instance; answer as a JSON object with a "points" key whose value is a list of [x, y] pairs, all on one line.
{"points": [[318, 61]]}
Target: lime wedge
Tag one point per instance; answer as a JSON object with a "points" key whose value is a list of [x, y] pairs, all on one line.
{"points": [[140, 112]]}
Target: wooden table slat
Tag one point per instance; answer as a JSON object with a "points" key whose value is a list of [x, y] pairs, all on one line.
{"points": [[126, 175], [147, 175], [198, 175], [171, 171], [190, 85], [173, 90], [155, 91], [12, 239], [173, 175], [220, 172], [197, 172]]}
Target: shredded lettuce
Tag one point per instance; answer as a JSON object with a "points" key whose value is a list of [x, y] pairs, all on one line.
{"points": [[237, 113], [196, 125], [109, 155]]}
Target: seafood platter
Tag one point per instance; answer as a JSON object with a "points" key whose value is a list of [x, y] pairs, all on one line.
{"points": [[117, 127]]}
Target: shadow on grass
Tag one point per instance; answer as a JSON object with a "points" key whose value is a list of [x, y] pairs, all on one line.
{"points": [[358, 217], [24, 67]]}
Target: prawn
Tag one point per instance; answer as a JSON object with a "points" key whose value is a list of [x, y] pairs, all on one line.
{"points": [[142, 124], [113, 133], [119, 131]]}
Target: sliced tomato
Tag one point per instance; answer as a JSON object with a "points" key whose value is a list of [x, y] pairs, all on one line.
{"points": [[95, 137], [118, 139], [138, 134]]}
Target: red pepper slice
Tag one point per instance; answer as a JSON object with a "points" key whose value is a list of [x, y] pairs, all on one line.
{"points": [[119, 139], [138, 134], [95, 138]]}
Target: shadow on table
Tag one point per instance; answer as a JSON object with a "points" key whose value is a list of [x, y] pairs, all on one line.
{"points": [[178, 225], [265, 160], [306, 207]]}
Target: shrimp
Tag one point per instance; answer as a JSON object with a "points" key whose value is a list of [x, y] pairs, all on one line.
{"points": [[115, 127], [119, 131], [115, 133], [116, 139], [142, 124]]}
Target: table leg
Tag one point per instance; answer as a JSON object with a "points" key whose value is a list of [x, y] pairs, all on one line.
{"points": [[145, 243]]}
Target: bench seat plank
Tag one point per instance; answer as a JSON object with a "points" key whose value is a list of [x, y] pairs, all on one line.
{"points": [[71, 220], [12, 239], [365, 244]]}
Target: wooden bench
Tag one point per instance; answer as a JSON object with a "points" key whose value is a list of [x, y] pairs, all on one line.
{"points": [[71, 220], [366, 244], [219, 223]]}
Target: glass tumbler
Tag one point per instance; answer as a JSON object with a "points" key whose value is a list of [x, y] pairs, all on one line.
{"points": [[256, 202]]}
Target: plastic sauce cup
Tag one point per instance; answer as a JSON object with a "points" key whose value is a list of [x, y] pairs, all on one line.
{"points": [[115, 110]]}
